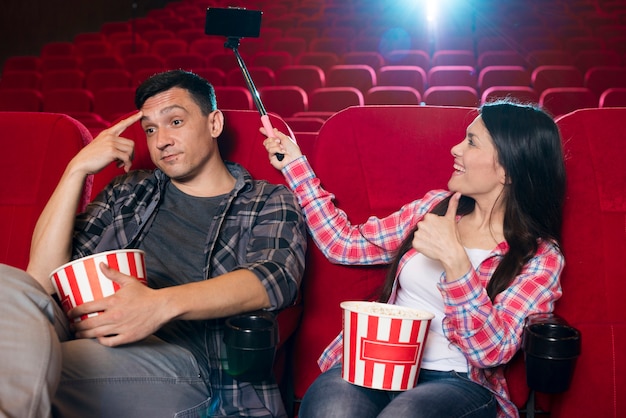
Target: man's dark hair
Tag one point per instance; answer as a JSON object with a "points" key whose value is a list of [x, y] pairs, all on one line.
{"points": [[201, 91]]}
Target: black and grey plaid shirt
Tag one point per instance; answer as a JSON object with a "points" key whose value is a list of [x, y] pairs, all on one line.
{"points": [[258, 227]]}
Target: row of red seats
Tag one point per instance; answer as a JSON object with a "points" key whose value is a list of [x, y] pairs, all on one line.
{"points": [[121, 46]]}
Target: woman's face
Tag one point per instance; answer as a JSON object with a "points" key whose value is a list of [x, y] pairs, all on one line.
{"points": [[477, 173]]}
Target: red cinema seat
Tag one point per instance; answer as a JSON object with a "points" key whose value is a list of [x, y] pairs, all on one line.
{"points": [[409, 57], [451, 96], [37, 147], [402, 75], [22, 62], [359, 76], [166, 47], [233, 97], [308, 77], [594, 145], [324, 60], [273, 60], [538, 58], [261, 77], [613, 97], [600, 78], [503, 75], [68, 101], [488, 58], [562, 100], [58, 49], [107, 77], [112, 102], [585, 60], [292, 45], [284, 100], [371, 58], [524, 94], [354, 134], [334, 99], [452, 75], [548, 76], [62, 79], [453, 57], [392, 95], [186, 60], [20, 79], [20, 100]]}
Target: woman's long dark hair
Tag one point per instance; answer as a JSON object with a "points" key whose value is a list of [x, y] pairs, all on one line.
{"points": [[529, 148]]}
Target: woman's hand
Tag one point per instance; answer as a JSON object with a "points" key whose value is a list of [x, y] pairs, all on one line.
{"points": [[280, 143], [437, 237]]}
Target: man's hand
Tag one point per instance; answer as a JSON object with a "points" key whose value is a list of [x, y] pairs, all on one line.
{"points": [[131, 314], [108, 146]]}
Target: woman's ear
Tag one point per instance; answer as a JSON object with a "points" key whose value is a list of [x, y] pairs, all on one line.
{"points": [[216, 119]]}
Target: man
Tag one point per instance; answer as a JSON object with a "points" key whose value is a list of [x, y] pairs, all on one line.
{"points": [[217, 244]]}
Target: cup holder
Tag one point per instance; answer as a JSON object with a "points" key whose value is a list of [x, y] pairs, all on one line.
{"points": [[551, 348], [250, 341]]}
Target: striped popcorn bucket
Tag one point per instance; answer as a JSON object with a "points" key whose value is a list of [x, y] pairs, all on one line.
{"points": [[81, 280], [383, 344]]}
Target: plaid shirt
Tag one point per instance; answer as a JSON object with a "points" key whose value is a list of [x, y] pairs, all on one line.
{"points": [[258, 227], [489, 334]]}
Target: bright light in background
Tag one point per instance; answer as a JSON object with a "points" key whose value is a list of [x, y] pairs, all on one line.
{"points": [[431, 10]]}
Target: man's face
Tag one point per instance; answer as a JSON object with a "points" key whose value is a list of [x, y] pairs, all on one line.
{"points": [[180, 139]]}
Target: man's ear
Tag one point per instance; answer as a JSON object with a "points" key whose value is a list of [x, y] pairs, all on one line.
{"points": [[216, 119]]}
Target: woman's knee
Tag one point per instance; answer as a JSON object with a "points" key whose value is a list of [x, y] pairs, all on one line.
{"points": [[331, 396]]}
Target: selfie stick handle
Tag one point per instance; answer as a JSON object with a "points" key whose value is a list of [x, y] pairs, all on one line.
{"points": [[233, 43]]}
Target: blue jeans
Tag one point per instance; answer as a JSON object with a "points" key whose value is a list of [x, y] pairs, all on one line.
{"points": [[437, 395], [46, 373]]}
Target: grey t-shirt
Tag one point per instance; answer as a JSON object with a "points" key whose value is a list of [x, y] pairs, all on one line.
{"points": [[174, 249]]}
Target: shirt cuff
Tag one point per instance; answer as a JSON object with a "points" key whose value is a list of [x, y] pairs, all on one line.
{"points": [[297, 172]]}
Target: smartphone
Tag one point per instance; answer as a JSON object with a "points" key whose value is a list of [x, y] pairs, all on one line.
{"points": [[233, 22]]}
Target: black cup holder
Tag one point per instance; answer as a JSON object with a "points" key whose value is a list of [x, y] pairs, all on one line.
{"points": [[250, 341], [551, 348]]}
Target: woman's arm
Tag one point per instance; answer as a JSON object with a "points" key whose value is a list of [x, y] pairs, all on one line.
{"points": [[373, 242], [489, 334]]}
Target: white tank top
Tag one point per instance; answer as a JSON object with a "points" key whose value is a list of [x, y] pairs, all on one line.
{"points": [[417, 288]]}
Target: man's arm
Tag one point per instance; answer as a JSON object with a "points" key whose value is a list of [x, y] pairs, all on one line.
{"points": [[269, 280], [52, 237]]}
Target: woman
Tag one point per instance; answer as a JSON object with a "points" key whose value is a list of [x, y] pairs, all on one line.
{"points": [[481, 256]]}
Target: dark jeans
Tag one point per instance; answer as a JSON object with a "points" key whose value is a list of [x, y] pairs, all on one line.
{"points": [[437, 395]]}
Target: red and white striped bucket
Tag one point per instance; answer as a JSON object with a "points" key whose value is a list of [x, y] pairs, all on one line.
{"points": [[81, 280], [383, 344]]}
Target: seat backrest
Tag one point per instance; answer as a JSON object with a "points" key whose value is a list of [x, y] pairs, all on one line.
{"points": [[37, 147], [359, 76], [600, 78], [308, 77], [452, 75], [503, 75], [20, 100], [594, 244], [613, 97], [62, 79], [392, 95], [68, 101], [284, 100], [523, 94], [451, 96], [561, 100], [548, 76], [402, 75], [333, 99], [375, 187]]}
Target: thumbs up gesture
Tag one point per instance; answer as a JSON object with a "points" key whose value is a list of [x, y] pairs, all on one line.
{"points": [[437, 237]]}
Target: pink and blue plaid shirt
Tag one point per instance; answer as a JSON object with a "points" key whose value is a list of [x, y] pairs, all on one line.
{"points": [[488, 333]]}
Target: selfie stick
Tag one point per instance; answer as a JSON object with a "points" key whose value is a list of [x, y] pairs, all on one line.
{"points": [[233, 43]]}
